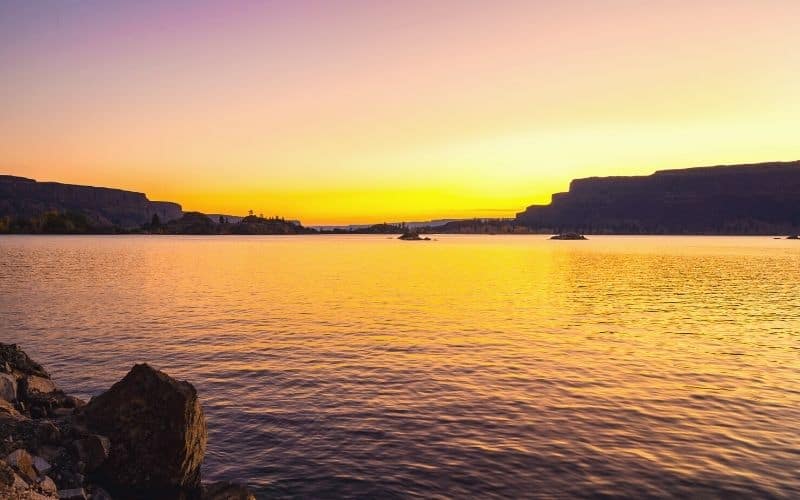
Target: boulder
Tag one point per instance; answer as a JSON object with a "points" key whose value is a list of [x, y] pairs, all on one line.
{"points": [[33, 386], [23, 462], [8, 413], [157, 432], [8, 387]]}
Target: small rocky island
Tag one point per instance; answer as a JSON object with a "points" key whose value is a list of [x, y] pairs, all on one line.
{"points": [[568, 236], [144, 438], [412, 236]]}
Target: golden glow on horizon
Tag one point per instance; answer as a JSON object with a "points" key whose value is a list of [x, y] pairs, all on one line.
{"points": [[437, 117]]}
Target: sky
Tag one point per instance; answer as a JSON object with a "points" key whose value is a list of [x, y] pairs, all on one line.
{"points": [[337, 112]]}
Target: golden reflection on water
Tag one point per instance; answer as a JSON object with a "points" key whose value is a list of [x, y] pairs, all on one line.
{"points": [[469, 365]]}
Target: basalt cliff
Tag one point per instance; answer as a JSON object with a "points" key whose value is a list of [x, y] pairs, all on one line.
{"points": [[25, 200], [752, 199]]}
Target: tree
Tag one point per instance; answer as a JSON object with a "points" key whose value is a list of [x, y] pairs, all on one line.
{"points": [[250, 212], [221, 219], [156, 221]]}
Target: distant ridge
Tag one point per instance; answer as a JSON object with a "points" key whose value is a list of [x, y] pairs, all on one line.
{"points": [[756, 198]]}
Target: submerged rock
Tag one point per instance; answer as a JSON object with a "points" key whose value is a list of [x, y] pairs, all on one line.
{"points": [[157, 432], [227, 491]]}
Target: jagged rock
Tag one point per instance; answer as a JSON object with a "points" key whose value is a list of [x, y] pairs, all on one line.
{"points": [[8, 387], [7, 410], [227, 491], [15, 360], [23, 462], [93, 451], [34, 386], [157, 432], [72, 494]]}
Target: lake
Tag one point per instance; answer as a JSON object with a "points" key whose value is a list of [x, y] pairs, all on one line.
{"points": [[468, 366]]}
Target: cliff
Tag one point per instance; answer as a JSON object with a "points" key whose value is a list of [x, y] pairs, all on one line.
{"points": [[23, 198], [759, 198]]}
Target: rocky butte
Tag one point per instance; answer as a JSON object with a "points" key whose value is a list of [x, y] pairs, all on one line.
{"points": [[144, 438], [103, 207], [755, 199]]}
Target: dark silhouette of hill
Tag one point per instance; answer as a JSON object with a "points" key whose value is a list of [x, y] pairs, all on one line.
{"points": [[753, 199], [30, 206]]}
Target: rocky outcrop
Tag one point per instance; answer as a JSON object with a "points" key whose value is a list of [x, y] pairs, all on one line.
{"points": [[22, 198], [157, 429], [740, 199], [144, 438], [412, 236], [191, 223]]}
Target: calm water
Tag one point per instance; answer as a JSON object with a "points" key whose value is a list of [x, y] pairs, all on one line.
{"points": [[470, 366]]}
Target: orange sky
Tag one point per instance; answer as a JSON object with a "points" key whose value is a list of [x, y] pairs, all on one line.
{"points": [[346, 111]]}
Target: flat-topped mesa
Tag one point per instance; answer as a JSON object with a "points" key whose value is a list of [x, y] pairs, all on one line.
{"points": [[103, 207], [739, 199]]}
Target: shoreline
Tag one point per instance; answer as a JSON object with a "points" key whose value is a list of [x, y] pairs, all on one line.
{"points": [[145, 437]]}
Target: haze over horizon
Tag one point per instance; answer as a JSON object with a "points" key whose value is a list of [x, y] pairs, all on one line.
{"points": [[351, 112]]}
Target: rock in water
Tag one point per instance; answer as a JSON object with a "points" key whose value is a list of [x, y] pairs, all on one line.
{"points": [[568, 236], [157, 432]]}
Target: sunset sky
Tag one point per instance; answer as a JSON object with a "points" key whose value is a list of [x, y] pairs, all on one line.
{"points": [[365, 111]]}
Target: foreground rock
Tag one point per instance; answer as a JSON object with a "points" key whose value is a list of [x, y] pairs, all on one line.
{"points": [[144, 438], [157, 429], [568, 236]]}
